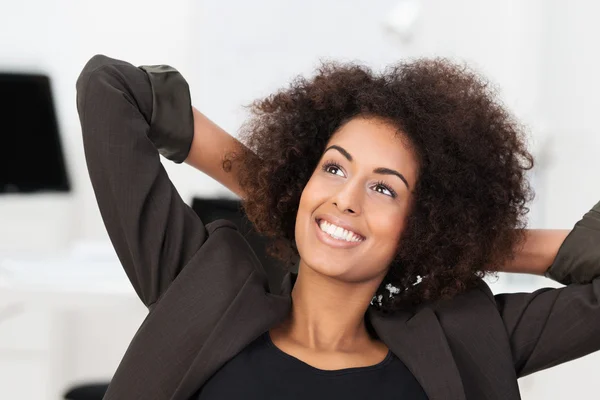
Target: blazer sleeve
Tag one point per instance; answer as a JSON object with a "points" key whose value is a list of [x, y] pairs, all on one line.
{"points": [[552, 326], [129, 115]]}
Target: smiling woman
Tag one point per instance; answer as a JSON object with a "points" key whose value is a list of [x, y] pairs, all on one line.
{"points": [[349, 190], [420, 157], [411, 183]]}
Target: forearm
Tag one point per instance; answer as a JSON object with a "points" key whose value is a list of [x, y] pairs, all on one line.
{"points": [[210, 146], [537, 252]]}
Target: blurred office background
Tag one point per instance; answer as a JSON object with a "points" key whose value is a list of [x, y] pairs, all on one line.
{"points": [[67, 312]]}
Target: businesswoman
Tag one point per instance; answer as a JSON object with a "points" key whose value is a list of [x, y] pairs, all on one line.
{"points": [[398, 191]]}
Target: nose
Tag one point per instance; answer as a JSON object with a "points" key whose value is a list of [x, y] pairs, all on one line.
{"points": [[348, 198]]}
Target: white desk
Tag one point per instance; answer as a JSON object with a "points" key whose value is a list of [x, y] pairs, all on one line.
{"points": [[63, 321]]}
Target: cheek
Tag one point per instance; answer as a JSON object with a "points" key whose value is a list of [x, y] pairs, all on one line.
{"points": [[313, 195], [309, 201], [387, 226]]}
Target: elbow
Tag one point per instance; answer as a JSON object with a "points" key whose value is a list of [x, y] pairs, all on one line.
{"points": [[82, 83], [92, 65], [90, 73]]}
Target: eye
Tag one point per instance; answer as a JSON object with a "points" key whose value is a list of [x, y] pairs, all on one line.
{"points": [[331, 167], [383, 188]]}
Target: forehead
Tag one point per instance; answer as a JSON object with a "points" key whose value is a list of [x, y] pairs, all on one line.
{"points": [[375, 143]]}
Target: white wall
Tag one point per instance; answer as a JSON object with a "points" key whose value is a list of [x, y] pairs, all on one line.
{"points": [[542, 54], [570, 102], [57, 37], [234, 52]]}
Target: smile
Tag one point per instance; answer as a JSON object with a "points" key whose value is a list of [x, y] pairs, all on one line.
{"points": [[336, 236]]}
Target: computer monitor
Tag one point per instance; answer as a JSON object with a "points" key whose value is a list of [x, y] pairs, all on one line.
{"points": [[32, 158]]}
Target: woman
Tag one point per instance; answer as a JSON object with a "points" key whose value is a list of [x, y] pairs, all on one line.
{"points": [[398, 191]]}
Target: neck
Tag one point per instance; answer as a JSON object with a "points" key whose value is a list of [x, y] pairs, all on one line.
{"points": [[328, 314]]}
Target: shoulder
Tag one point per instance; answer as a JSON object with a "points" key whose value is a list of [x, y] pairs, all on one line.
{"points": [[225, 224], [476, 304], [232, 247], [481, 293]]}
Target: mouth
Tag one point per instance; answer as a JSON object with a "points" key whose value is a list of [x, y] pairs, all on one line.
{"points": [[336, 236]]}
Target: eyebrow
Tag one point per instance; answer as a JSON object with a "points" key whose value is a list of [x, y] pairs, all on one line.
{"points": [[380, 170]]}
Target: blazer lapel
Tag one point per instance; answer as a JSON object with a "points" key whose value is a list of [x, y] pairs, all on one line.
{"points": [[253, 312], [419, 341]]}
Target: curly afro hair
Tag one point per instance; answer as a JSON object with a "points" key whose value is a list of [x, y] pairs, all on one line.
{"points": [[472, 190]]}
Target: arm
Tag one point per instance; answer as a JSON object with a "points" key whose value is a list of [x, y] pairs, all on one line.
{"points": [[128, 115], [551, 326], [537, 252], [209, 147]]}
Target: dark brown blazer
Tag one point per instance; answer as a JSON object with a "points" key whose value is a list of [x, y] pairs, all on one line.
{"points": [[208, 296]]}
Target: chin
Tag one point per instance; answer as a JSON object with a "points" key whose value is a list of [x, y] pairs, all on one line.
{"points": [[327, 267], [323, 262], [327, 258]]}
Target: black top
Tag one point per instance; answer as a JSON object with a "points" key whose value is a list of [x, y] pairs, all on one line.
{"points": [[263, 371]]}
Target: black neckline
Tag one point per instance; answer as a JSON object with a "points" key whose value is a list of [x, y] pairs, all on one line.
{"points": [[369, 368]]}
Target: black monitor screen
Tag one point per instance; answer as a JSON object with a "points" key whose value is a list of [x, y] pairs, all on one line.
{"points": [[31, 159]]}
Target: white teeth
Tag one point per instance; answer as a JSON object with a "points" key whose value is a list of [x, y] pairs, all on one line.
{"points": [[338, 232], [330, 229]]}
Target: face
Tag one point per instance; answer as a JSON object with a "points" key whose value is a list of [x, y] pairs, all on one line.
{"points": [[353, 209]]}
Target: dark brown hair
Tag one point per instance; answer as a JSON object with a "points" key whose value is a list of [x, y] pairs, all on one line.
{"points": [[471, 193]]}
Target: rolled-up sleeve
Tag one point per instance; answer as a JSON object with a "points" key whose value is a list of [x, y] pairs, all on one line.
{"points": [[128, 115], [552, 326]]}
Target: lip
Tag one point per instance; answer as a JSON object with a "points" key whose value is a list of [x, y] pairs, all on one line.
{"points": [[332, 242]]}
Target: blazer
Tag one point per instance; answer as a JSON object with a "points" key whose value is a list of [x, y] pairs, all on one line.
{"points": [[208, 296]]}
